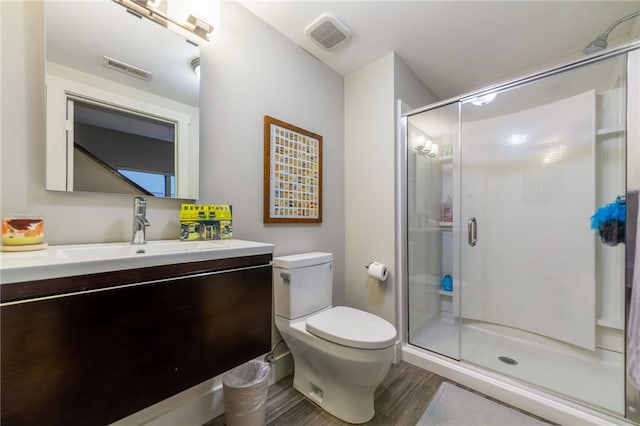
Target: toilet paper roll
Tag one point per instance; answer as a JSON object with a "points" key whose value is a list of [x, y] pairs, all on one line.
{"points": [[378, 271]]}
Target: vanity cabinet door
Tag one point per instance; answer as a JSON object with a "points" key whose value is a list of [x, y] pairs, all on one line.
{"points": [[96, 357]]}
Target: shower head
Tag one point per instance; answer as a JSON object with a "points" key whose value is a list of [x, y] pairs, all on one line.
{"points": [[600, 42]]}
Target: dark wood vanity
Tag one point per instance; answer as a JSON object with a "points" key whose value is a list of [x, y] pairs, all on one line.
{"points": [[92, 349]]}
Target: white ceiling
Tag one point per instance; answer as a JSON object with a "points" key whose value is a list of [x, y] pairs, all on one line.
{"points": [[455, 47]]}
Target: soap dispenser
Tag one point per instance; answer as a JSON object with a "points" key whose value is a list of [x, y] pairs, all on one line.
{"points": [[447, 283], [447, 207]]}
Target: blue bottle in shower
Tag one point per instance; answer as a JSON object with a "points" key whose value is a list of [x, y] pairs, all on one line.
{"points": [[447, 283]]}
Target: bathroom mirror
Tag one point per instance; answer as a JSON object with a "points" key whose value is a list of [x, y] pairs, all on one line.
{"points": [[129, 78]]}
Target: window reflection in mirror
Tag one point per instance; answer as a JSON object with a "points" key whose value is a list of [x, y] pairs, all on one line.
{"points": [[122, 151], [79, 35]]}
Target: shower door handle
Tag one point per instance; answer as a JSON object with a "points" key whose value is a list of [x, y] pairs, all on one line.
{"points": [[472, 231]]}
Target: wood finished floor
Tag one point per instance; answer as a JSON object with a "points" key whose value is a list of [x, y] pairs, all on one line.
{"points": [[400, 400]]}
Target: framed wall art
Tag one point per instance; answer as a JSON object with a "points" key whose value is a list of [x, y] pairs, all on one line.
{"points": [[292, 174]]}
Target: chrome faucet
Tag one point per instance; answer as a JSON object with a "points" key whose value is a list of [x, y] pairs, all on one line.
{"points": [[140, 221]]}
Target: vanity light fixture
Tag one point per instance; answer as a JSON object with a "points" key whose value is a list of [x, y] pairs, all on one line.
{"points": [[191, 25], [425, 147]]}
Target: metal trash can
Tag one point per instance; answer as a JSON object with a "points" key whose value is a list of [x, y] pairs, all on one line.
{"points": [[245, 394]]}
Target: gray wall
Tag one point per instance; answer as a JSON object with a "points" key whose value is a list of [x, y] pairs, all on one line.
{"points": [[249, 71]]}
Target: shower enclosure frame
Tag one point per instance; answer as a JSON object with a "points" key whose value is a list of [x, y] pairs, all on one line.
{"points": [[505, 388]]}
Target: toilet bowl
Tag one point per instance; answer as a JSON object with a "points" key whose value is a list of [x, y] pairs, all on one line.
{"points": [[340, 354]]}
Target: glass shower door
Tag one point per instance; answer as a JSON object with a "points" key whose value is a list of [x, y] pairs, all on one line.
{"points": [[433, 291], [541, 295]]}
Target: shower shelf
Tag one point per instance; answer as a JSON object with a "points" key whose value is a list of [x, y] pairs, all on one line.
{"points": [[446, 158], [442, 226], [609, 131], [431, 229], [610, 323], [446, 293]]}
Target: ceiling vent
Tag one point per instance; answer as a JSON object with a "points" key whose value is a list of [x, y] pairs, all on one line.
{"points": [[328, 31], [126, 68]]}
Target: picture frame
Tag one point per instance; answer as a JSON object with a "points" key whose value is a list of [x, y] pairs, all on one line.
{"points": [[292, 174]]}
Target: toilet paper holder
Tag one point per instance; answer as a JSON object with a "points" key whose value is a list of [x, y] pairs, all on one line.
{"points": [[379, 270]]}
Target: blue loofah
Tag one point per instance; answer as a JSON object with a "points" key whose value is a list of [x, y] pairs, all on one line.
{"points": [[609, 221], [616, 210]]}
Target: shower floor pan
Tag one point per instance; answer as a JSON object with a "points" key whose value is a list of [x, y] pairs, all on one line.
{"points": [[596, 378]]}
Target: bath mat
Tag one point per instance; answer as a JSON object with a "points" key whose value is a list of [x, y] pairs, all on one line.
{"points": [[454, 406]]}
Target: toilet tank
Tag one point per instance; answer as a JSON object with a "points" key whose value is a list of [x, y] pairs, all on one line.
{"points": [[303, 283]]}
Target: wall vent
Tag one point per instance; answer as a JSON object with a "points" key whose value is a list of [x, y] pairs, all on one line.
{"points": [[126, 68], [328, 31]]}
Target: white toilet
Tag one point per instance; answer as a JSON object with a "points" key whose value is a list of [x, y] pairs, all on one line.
{"points": [[340, 354]]}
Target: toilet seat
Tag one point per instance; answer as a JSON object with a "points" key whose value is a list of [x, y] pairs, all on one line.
{"points": [[352, 327]]}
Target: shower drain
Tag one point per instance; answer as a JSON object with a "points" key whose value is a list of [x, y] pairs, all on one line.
{"points": [[508, 360]]}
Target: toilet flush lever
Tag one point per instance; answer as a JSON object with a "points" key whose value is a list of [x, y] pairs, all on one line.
{"points": [[285, 276]]}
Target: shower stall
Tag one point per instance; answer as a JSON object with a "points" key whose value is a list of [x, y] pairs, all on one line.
{"points": [[505, 272]]}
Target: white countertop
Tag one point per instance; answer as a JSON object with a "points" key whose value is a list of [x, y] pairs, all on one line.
{"points": [[81, 259]]}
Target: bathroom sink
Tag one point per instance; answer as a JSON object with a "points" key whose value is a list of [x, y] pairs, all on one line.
{"points": [[118, 250], [78, 259]]}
